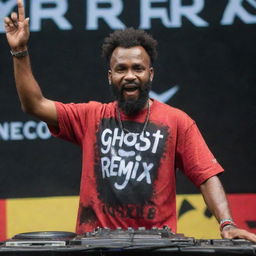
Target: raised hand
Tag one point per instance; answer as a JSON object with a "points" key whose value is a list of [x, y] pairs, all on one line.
{"points": [[17, 29]]}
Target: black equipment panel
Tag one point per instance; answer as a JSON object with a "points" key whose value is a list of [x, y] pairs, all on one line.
{"points": [[122, 242]]}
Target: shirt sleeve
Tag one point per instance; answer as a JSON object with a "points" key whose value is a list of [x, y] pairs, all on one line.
{"points": [[194, 157], [72, 121]]}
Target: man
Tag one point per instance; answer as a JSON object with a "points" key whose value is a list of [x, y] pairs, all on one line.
{"points": [[132, 146]]}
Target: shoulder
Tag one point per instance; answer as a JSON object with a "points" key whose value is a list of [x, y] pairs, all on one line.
{"points": [[82, 111], [91, 105], [172, 114]]}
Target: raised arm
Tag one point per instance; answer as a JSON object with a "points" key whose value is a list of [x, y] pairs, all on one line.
{"points": [[215, 198], [30, 94]]}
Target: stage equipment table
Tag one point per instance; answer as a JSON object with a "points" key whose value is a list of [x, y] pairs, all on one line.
{"points": [[120, 242]]}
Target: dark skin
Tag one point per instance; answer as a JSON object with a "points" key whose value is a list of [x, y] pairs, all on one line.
{"points": [[31, 97], [216, 201], [129, 68]]}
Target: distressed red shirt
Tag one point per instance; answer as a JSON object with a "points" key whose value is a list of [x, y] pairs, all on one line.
{"points": [[128, 178]]}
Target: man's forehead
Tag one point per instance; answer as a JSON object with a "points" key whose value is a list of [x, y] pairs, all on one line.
{"points": [[121, 54]]}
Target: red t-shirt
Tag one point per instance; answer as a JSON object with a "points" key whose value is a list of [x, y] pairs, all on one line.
{"points": [[128, 178]]}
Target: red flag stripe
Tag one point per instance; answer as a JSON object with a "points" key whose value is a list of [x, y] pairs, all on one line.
{"points": [[2, 220]]}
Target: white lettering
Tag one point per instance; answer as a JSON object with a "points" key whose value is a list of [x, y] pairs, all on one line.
{"points": [[105, 163], [125, 170], [135, 169], [109, 15], [133, 140], [43, 131], [147, 12], [38, 13], [106, 141], [190, 12], [4, 129], [146, 142], [30, 130], [146, 174], [170, 13], [27, 130], [177, 11], [140, 142], [118, 137], [15, 131], [114, 165], [157, 136], [235, 9]]}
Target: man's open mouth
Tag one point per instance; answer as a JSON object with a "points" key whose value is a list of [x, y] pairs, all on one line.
{"points": [[130, 87]]}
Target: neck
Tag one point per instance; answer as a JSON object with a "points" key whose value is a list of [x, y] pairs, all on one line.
{"points": [[145, 122], [130, 110]]}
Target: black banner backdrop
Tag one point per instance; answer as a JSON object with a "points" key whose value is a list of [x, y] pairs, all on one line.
{"points": [[207, 60]]}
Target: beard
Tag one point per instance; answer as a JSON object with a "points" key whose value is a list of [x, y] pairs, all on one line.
{"points": [[132, 106]]}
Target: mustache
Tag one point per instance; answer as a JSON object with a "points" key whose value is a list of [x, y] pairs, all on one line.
{"points": [[131, 106], [130, 84]]}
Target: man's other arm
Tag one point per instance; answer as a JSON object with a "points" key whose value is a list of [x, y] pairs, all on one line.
{"points": [[30, 94], [215, 199]]}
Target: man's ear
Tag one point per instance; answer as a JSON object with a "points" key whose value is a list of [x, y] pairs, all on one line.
{"points": [[109, 76], [151, 76]]}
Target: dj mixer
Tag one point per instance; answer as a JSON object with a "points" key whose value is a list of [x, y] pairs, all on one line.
{"points": [[104, 241]]}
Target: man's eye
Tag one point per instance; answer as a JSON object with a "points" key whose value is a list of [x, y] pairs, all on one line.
{"points": [[138, 68], [120, 69]]}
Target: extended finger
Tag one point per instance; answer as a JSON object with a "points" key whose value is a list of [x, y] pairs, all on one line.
{"points": [[21, 10]]}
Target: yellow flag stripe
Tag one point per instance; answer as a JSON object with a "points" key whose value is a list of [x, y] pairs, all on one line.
{"points": [[59, 213], [41, 214]]}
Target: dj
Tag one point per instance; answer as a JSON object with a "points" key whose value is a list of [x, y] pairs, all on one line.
{"points": [[131, 147]]}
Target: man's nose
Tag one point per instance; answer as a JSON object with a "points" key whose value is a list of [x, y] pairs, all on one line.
{"points": [[130, 76]]}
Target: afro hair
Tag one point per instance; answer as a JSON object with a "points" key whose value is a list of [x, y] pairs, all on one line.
{"points": [[128, 38]]}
